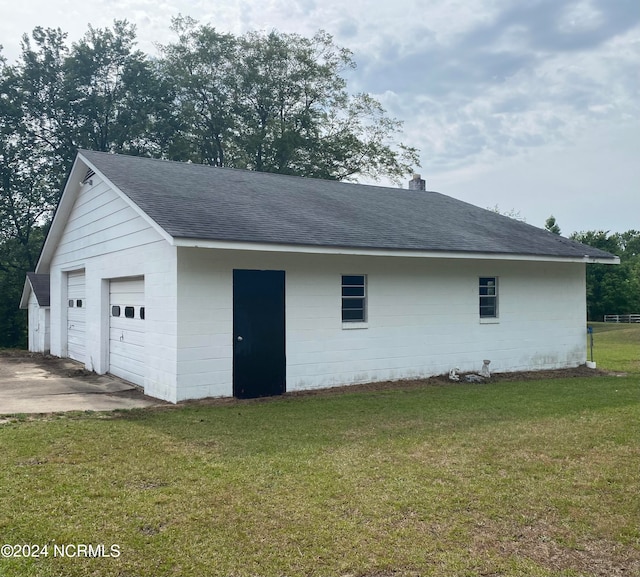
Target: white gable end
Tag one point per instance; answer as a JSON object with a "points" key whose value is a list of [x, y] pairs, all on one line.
{"points": [[101, 222]]}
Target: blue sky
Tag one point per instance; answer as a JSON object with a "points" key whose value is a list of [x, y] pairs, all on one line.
{"points": [[531, 106]]}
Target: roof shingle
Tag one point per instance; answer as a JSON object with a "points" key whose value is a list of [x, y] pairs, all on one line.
{"points": [[193, 201]]}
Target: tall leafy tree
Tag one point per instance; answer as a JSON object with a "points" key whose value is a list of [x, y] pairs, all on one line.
{"points": [[277, 103], [116, 98], [200, 68], [102, 94], [27, 196]]}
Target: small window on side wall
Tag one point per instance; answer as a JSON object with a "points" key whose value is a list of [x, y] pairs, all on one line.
{"points": [[354, 298], [488, 294]]}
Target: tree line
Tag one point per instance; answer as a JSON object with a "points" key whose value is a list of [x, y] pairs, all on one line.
{"points": [[610, 289], [270, 102], [613, 289]]}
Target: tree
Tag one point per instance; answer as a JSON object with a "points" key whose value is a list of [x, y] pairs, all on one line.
{"points": [[199, 67], [100, 94], [613, 289], [277, 103], [115, 95], [27, 197], [552, 226]]}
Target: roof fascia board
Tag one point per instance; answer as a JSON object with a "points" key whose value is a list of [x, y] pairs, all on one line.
{"points": [[304, 249], [26, 293], [161, 231], [60, 217]]}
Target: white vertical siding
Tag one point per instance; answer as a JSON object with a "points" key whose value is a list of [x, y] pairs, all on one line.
{"points": [[423, 318]]}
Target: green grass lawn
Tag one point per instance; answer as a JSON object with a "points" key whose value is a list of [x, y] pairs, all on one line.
{"points": [[616, 346], [508, 478]]}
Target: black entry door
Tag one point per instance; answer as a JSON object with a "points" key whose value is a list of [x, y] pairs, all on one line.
{"points": [[259, 366]]}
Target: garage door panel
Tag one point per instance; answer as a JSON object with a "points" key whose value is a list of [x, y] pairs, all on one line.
{"points": [[123, 357], [120, 329], [128, 370], [76, 315], [127, 330], [121, 341]]}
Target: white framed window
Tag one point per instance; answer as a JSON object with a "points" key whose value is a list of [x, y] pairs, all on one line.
{"points": [[354, 298], [488, 297]]}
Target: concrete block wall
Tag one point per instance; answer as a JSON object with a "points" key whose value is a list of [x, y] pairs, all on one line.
{"points": [[423, 318]]}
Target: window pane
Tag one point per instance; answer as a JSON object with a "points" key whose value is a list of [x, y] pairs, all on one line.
{"points": [[487, 311], [353, 291], [487, 301], [353, 280], [353, 304], [487, 308], [142, 313], [70, 303], [129, 312], [115, 311], [352, 315], [79, 303]]}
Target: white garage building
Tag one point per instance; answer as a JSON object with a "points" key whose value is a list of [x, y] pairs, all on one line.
{"points": [[195, 281]]}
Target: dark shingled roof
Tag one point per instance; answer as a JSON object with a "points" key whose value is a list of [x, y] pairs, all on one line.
{"points": [[41, 288], [209, 203]]}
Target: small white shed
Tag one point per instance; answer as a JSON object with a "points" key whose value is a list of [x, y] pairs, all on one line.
{"points": [[36, 299], [195, 281]]}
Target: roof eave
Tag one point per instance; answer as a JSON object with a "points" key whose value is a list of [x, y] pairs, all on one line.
{"points": [[65, 205], [365, 251]]}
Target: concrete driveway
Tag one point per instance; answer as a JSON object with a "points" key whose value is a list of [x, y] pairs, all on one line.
{"points": [[31, 383]]}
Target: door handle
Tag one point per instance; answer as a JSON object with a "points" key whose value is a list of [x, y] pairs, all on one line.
{"points": [[240, 339]]}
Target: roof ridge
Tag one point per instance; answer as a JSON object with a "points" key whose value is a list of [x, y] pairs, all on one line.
{"points": [[241, 170]]}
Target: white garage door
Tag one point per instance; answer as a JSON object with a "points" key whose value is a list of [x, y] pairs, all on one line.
{"points": [[76, 315], [127, 329]]}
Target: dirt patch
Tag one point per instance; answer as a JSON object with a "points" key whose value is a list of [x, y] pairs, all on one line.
{"points": [[441, 380], [410, 384]]}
